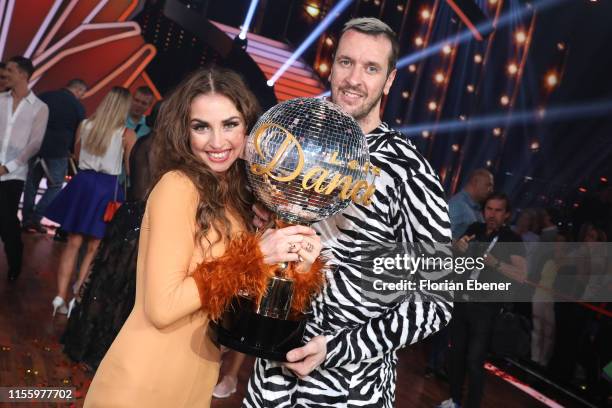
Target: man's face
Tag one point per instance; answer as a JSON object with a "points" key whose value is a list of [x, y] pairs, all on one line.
{"points": [[79, 91], [484, 187], [14, 75], [140, 104], [495, 214], [3, 80], [359, 73]]}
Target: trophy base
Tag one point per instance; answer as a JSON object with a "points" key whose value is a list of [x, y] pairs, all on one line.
{"points": [[243, 330]]}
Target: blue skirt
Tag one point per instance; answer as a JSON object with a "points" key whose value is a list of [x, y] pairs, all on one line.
{"points": [[79, 208]]}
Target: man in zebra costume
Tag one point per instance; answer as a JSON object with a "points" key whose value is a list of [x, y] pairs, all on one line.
{"points": [[350, 358]]}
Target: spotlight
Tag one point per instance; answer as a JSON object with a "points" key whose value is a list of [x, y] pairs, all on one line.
{"points": [[561, 46], [400, 8], [425, 14], [462, 117], [534, 146], [432, 106], [425, 134], [478, 58], [439, 77], [603, 179], [418, 41], [313, 10], [512, 68], [447, 49], [497, 131], [398, 121], [504, 100], [492, 2], [552, 80], [312, 37], [520, 37], [323, 68], [412, 68], [455, 148], [247, 20], [488, 163], [270, 82], [329, 41], [405, 94], [582, 189], [470, 88]]}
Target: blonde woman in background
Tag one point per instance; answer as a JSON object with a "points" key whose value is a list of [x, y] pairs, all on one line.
{"points": [[102, 142]]}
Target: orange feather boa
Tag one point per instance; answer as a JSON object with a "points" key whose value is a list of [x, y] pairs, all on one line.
{"points": [[241, 269]]}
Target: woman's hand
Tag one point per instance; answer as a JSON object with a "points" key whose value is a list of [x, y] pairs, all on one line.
{"points": [[310, 248], [285, 244]]}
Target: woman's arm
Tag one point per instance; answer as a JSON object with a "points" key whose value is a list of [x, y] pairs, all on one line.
{"points": [[129, 139], [170, 293], [77, 144]]}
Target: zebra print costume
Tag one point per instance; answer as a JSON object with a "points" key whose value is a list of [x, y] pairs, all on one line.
{"points": [[362, 336]]}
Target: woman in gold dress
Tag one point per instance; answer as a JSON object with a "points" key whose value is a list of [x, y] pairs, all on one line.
{"points": [[191, 231]]}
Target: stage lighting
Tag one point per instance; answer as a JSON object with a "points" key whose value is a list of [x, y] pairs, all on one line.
{"points": [[425, 134], [314, 35], [603, 179], [582, 189], [512, 68], [561, 46], [447, 49], [432, 106], [497, 132], [470, 88], [400, 8], [329, 41], [552, 80], [439, 78], [488, 163], [534, 145], [313, 10], [425, 14], [504, 100], [455, 147], [520, 37], [462, 117], [412, 68], [244, 29], [492, 2], [323, 68], [478, 58], [418, 41], [405, 94]]}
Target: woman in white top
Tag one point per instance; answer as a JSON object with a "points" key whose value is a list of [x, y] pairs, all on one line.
{"points": [[102, 143]]}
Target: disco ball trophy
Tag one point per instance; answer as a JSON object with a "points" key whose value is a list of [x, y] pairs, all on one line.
{"points": [[306, 160]]}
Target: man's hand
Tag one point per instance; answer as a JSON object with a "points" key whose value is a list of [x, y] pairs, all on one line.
{"points": [[490, 261], [3, 170], [462, 243], [304, 360]]}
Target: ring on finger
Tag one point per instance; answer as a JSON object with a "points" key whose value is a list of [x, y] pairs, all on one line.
{"points": [[292, 247], [309, 247]]}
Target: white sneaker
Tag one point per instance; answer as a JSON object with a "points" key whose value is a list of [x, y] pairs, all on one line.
{"points": [[226, 387], [449, 403]]}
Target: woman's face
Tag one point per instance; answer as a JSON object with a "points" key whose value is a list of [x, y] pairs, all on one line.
{"points": [[217, 131]]}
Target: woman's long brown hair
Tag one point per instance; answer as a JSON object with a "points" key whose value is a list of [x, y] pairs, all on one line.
{"points": [[172, 150]]}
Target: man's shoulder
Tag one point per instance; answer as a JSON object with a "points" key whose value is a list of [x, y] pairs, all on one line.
{"points": [[391, 146]]}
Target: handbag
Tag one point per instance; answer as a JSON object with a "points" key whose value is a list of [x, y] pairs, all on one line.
{"points": [[113, 205]]}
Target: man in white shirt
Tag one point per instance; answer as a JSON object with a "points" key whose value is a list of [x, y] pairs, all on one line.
{"points": [[23, 120]]}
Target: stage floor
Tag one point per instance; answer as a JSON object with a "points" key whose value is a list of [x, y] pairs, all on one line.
{"points": [[31, 355]]}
